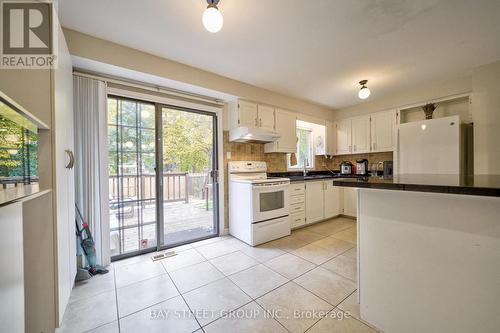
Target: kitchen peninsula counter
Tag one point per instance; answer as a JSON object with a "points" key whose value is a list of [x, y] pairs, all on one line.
{"points": [[428, 252]]}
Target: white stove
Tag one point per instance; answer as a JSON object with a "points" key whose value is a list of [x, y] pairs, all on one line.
{"points": [[258, 205]]}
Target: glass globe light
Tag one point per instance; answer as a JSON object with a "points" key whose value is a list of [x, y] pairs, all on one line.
{"points": [[212, 19]]}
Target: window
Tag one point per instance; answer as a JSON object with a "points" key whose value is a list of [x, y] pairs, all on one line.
{"points": [[304, 150]]}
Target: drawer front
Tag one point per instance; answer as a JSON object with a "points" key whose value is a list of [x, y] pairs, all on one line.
{"points": [[297, 220], [270, 230], [298, 207], [295, 199], [297, 189]]}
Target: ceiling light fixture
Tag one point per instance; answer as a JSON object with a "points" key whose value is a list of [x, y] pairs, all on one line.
{"points": [[212, 17], [364, 92]]}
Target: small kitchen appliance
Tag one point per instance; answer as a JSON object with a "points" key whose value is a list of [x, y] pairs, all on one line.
{"points": [[387, 169], [346, 168], [362, 167]]}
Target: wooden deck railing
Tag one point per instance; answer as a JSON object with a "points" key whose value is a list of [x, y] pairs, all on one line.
{"points": [[143, 188]]}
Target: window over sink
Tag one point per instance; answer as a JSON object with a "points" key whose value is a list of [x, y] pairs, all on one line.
{"points": [[305, 150]]}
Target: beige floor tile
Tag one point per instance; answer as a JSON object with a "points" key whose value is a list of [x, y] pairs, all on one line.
{"points": [[182, 259], [247, 319], [236, 243], [141, 295], [334, 245], [144, 270], [263, 252], [207, 241], [289, 265], [331, 287], [233, 262], [314, 254], [330, 227], [348, 235], [172, 315], [338, 325], [344, 265], [108, 328], [212, 301], [288, 243], [89, 313], [258, 280], [306, 235], [191, 277], [351, 305], [216, 249], [294, 307], [93, 286]]}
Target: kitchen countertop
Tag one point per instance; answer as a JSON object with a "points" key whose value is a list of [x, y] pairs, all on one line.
{"points": [[483, 185], [311, 176]]}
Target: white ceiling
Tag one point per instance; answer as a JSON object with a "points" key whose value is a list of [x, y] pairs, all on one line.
{"points": [[317, 50]]}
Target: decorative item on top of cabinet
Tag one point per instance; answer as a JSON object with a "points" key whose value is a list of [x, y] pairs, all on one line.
{"points": [[286, 127]]}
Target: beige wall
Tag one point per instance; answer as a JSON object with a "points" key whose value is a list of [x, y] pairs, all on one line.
{"points": [[407, 97], [486, 116], [111, 53]]}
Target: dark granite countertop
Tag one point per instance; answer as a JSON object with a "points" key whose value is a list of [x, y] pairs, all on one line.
{"points": [[311, 175], [483, 185]]}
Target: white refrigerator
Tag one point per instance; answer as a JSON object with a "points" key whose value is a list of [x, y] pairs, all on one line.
{"points": [[434, 146]]}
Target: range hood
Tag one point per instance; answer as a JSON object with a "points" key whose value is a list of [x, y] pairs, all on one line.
{"points": [[250, 134]]}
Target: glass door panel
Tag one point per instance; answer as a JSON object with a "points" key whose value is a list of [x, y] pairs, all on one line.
{"points": [[188, 161], [132, 177]]}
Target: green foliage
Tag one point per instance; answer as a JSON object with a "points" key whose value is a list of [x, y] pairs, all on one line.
{"points": [[18, 150], [187, 141]]}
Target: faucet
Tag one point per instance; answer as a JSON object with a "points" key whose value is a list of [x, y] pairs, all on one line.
{"points": [[305, 167]]}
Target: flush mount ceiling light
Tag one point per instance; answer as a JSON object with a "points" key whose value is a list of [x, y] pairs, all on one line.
{"points": [[212, 17], [364, 92]]}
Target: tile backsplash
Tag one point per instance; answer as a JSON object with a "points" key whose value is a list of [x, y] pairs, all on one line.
{"points": [[276, 162]]}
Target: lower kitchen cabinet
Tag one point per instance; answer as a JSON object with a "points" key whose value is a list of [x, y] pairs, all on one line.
{"points": [[297, 205], [331, 199], [350, 201], [314, 202]]}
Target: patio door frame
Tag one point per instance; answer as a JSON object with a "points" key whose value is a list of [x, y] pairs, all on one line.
{"points": [[210, 108], [214, 173]]}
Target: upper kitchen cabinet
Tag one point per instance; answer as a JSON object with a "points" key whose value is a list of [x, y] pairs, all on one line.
{"points": [[382, 128], [266, 118], [344, 137], [331, 138], [249, 114], [286, 126], [246, 114], [360, 132]]}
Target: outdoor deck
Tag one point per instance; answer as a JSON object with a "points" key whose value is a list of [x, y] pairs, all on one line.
{"points": [[183, 221]]}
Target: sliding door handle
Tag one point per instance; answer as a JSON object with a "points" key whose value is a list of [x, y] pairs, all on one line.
{"points": [[71, 156]]}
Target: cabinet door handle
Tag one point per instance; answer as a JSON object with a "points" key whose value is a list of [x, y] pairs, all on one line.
{"points": [[354, 147], [350, 148], [71, 156], [256, 122], [260, 122]]}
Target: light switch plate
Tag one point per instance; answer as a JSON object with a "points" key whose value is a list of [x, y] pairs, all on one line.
{"points": [[228, 155]]}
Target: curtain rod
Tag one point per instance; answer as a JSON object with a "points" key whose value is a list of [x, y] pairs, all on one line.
{"points": [[144, 86]]}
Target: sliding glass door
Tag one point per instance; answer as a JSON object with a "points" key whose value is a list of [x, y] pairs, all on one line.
{"points": [[188, 164], [162, 166]]}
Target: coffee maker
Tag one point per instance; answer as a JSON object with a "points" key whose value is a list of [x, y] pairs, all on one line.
{"points": [[362, 167]]}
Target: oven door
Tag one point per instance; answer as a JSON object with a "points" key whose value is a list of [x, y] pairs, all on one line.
{"points": [[269, 201]]}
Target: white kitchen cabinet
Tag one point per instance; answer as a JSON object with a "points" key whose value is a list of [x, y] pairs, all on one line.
{"points": [[350, 201], [266, 117], [331, 199], [314, 202], [344, 137], [297, 205], [331, 138], [382, 129], [286, 126], [360, 132], [247, 114]]}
